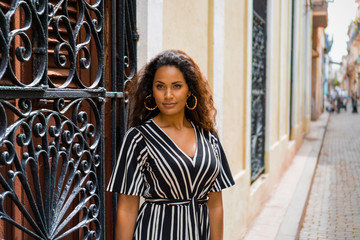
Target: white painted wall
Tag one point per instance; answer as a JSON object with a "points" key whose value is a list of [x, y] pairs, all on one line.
{"points": [[270, 58], [218, 71], [150, 29]]}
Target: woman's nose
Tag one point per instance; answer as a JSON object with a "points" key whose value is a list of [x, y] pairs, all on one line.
{"points": [[168, 93]]}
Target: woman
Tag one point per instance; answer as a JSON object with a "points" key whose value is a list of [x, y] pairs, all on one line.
{"points": [[171, 156]]}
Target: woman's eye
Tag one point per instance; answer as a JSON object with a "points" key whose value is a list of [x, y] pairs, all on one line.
{"points": [[177, 86], [159, 86]]}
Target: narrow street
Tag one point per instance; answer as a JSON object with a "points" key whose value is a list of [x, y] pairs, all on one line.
{"points": [[333, 209]]}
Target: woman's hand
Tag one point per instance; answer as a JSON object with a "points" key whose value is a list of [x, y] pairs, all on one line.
{"points": [[215, 215], [127, 211]]}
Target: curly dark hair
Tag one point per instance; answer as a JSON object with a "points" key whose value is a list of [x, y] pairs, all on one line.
{"points": [[203, 115]]}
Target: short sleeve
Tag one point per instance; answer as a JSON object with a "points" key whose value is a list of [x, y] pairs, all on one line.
{"points": [[127, 177], [224, 179]]}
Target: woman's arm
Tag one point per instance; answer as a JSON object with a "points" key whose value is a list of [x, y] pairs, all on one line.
{"points": [[127, 211], [215, 215]]}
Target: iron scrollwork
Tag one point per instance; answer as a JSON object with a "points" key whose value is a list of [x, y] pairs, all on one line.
{"points": [[258, 97], [69, 36], [51, 149], [34, 15], [73, 44], [56, 169], [130, 40]]}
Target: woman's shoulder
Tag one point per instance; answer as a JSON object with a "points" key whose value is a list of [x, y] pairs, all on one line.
{"points": [[211, 135], [140, 129], [137, 130], [131, 133], [144, 125], [134, 136]]}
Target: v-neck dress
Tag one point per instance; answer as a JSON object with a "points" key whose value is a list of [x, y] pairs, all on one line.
{"points": [[174, 185]]}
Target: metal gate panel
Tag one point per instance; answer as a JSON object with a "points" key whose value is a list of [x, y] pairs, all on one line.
{"points": [[258, 104], [124, 38], [52, 95]]}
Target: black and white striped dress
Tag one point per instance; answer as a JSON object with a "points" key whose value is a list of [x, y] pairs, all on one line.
{"points": [[174, 185]]}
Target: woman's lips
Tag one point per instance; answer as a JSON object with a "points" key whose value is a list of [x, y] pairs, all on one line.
{"points": [[168, 105]]}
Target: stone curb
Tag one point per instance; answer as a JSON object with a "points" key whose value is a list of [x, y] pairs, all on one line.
{"points": [[311, 148]]}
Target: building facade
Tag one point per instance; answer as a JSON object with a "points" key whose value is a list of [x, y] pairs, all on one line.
{"points": [[257, 57], [319, 8], [353, 57]]}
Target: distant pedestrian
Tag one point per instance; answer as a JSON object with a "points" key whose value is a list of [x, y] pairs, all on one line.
{"points": [[354, 102]]}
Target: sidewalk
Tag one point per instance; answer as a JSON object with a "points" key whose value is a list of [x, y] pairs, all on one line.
{"points": [[333, 209], [281, 216]]}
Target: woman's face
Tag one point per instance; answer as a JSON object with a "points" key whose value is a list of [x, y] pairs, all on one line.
{"points": [[170, 90]]}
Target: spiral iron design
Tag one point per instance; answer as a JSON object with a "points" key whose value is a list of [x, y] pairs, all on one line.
{"points": [[69, 35], [57, 169], [52, 113]]}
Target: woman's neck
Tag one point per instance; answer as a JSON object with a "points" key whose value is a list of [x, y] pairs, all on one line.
{"points": [[176, 121]]}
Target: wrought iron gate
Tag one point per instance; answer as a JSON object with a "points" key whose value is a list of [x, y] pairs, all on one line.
{"points": [[258, 89], [53, 89]]}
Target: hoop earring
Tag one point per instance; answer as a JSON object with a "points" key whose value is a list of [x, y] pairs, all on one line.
{"points": [[195, 104], [148, 108]]}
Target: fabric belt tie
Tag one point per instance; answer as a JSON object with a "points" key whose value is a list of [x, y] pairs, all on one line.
{"points": [[193, 203]]}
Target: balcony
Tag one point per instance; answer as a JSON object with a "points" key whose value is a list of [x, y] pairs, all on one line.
{"points": [[319, 8]]}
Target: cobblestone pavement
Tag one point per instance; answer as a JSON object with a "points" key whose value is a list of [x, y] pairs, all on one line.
{"points": [[333, 210]]}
